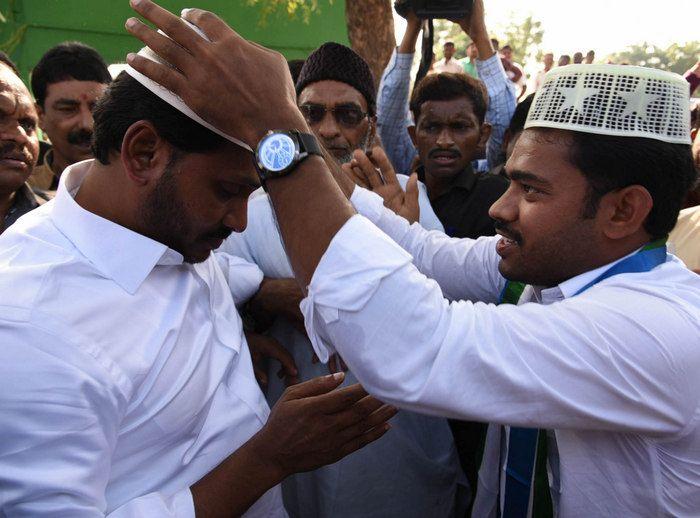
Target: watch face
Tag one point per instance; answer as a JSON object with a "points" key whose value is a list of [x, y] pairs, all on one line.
{"points": [[277, 152]]}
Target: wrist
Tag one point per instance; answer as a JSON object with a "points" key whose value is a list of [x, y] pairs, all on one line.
{"points": [[286, 118], [261, 450]]}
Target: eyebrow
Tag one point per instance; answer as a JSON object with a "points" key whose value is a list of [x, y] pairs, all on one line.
{"points": [[520, 176], [70, 102]]}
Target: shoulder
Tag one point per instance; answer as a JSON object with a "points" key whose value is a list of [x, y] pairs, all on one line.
{"points": [[492, 183]]}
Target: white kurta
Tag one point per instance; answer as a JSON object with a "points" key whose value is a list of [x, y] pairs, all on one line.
{"points": [[413, 471], [613, 371], [124, 372]]}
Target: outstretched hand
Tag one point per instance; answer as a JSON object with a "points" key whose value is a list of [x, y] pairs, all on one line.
{"points": [[314, 424], [376, 173], [240, 87]]}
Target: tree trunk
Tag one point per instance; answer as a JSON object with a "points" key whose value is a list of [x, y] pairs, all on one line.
{"points": [[371, 32]]}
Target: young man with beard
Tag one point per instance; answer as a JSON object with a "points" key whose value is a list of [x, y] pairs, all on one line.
{"points": [[126, 386], [67, 81], [595, 343], [19, 146], [416, 462]]}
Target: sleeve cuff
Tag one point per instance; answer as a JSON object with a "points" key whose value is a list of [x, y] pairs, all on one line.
{"points": [[491, 69], [403, 61], [367, 203], [350, 271]]}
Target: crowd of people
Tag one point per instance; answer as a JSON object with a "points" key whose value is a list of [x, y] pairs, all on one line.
{"points": [[473, 297]]}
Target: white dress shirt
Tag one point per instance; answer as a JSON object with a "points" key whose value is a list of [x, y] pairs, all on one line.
{"points": [[613, 371], [124, 373], [413, 471]]}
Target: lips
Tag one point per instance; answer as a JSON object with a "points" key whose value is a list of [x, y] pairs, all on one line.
{"points": [[14, 160], [444, 157]]}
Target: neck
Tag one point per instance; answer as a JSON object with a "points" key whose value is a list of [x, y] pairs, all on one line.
{"points": [[438, 185], [102, 194], [58, 163], [6, 201]]}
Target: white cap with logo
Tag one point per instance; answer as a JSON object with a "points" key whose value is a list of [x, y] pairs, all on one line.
{"points": [[616, 100]]}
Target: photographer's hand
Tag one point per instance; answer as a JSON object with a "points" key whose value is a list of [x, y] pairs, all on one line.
{"points": [[475, 26], [413, 27]]}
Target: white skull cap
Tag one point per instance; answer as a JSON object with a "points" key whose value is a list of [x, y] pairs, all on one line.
{"points": [[171, 98], [616, 100]]}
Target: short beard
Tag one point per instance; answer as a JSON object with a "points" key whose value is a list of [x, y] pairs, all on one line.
{"points": [[163, 213], [362, 145]]}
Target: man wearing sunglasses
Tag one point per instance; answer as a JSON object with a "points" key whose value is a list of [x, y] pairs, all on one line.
{"points": [[417, 463]]}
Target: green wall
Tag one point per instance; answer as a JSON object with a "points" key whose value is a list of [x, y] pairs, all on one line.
{"points": [[34, 26]]}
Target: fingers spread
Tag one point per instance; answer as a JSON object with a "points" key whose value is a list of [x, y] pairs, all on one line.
{"points": [[164, 75], [363, 440], [170, 24], [166, 48], [369, 171], [210, 24]]}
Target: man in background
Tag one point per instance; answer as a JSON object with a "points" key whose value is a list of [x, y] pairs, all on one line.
{"points": [[447, 63], [469, 62], [67, 81], [19, 146]]}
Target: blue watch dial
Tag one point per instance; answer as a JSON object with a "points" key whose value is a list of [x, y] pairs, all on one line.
{"points": [[276, 152]]}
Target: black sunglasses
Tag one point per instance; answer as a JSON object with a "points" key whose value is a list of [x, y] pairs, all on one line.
{"points": [[348, 116]]}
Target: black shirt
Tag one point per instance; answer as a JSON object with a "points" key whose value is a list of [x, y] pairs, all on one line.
{"points": [[464, 209]]}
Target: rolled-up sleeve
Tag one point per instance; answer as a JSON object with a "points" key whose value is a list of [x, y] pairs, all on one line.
{"points": [[502, 102], [393, 116], [557, 366], [60, 410]]}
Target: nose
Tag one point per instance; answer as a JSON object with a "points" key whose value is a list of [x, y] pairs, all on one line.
{"points": [[328, 128], [236, 217], [445, 139], [15, 132], [505, 208], [86, 120]]}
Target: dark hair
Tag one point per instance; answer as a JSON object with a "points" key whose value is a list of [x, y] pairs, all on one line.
{"points": [[506, 47], [4, 58], [126, 101], [610, 163], [69, 60], [295, 66], [446, 87], [495, 43], [517, 122], [449, 44]]}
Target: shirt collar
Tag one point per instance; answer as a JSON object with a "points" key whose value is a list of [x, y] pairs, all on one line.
{"points": [[464, 180], [122, 255], [571, 287]]}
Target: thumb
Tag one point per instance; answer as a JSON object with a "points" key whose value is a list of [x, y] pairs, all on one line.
{"points": [[411, 198], [315, 386]]}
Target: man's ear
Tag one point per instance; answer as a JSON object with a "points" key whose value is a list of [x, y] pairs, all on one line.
{"points": [[693, 134], [145, 155], [40, 112], [412, 133], [623, 212], [485, 135]]}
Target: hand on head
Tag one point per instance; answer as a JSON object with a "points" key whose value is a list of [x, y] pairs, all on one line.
{"points": [[236, 85]]}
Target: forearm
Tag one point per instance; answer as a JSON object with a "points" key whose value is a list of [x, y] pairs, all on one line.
{"points": [[464, 268], [310, 209], [237, 483]]}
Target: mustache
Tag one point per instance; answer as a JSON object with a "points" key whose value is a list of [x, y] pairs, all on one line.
{"points": [[80, 137], [452, 153], [11, 148], [222, 233], [508, 232]]}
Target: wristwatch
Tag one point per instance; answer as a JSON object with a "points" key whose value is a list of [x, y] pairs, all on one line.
{"points": [[279, 152]]}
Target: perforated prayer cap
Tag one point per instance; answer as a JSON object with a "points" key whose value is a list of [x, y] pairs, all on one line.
{"points": [[616, 100], [173, 99]]}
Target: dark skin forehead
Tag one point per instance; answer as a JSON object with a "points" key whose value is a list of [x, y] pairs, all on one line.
{"points": [[542, 158], [14, 96], [459, 109]]}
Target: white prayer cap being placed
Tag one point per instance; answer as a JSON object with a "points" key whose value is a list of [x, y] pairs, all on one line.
{"points": [[170, 97], [616, 100]]}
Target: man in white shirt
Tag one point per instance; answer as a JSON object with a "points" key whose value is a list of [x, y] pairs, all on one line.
{"points": [[602, 353], [126, 385], [447, 64]]}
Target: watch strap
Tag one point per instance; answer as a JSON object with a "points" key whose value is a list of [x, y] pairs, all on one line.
{"points": [[308, 143]]}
